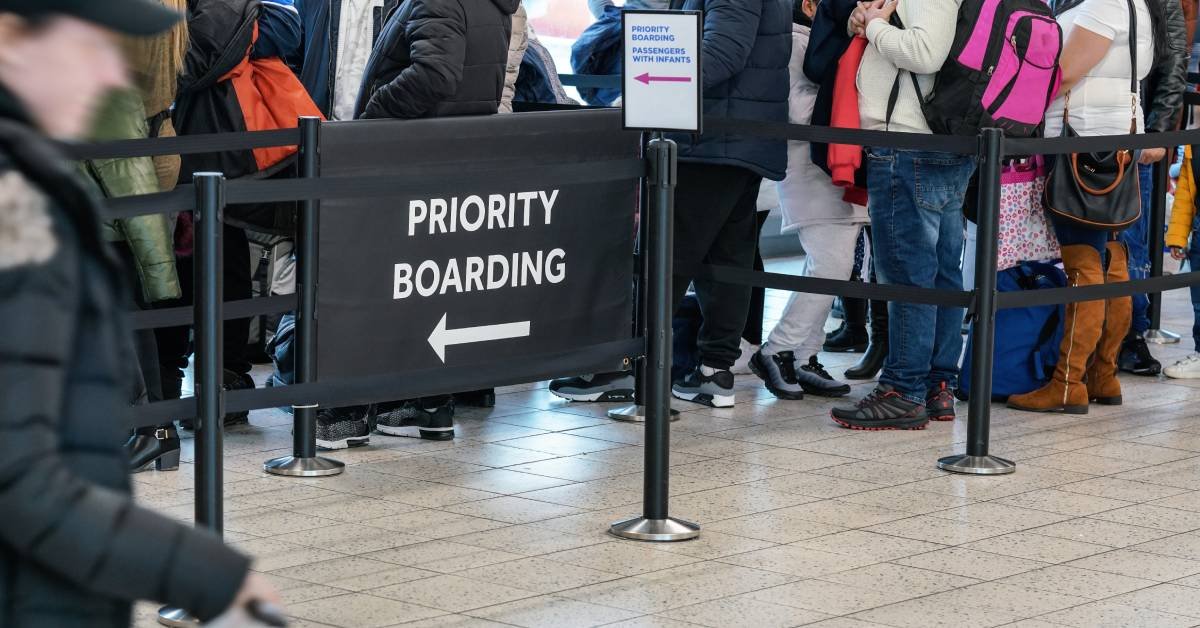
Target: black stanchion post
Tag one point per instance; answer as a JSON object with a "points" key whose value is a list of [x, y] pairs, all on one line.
{"points": [[208, 365], [655, 523], [1158, 219], [636, 413], [977, 460], [304, 461]]}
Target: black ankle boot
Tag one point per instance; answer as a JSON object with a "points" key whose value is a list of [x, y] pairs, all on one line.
{"points": [[851, 337], [157, 446], [872, 362]]}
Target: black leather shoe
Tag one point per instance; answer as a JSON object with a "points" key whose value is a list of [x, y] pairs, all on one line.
{"points": [[159, 448]]}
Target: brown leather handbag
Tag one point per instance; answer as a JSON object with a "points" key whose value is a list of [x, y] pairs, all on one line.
{"points": [[1099, 190]]}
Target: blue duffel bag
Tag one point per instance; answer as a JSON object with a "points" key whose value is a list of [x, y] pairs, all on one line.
{"points": [[1027, 339]]}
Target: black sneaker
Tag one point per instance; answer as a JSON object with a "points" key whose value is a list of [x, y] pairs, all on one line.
{"points": [[341, 428], [847, 339], [778, 373], [714, 390], [815, 380], [883, 409], [600, 387], [939, 403], [435, 423], [1136, 358]]}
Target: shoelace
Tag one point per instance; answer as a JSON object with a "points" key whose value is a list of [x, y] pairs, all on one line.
{"points": [[875, 397], [787, 368], [817, 368]]}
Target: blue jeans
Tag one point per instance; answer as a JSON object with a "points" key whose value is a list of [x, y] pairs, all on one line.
{"points": [[916, 201], [1137, 240]]}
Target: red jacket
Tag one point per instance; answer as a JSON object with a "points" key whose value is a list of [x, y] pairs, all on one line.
{"points": [[845, 159]]}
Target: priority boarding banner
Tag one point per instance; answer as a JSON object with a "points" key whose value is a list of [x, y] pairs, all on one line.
{"points": [[507, 238]]}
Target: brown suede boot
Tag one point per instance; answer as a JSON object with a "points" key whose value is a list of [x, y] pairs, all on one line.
{"points": [[1081, 331], [1102, 384]]}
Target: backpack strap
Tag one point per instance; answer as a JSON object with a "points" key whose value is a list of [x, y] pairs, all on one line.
{"points": [[894, 97]]}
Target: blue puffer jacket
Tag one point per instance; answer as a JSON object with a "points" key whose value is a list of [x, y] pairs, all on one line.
{"points": [[747, 47]]}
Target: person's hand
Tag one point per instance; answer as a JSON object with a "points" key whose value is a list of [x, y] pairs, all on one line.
{"points": [[1178, 254], [256, 587], [1152, 156], [880, 10], [858, 21]]}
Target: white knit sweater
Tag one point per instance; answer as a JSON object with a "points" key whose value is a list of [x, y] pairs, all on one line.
{"points": [[921, 48]]}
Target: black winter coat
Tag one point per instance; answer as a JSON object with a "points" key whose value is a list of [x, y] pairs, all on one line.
{"points": [[438, 58], [1164, 88], [746, 50], [74, 548]]}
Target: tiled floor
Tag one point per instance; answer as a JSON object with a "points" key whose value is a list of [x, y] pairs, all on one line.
{"points": [[804, 523]]}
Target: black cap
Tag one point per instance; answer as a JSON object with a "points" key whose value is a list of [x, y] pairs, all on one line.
{"points": [[130, 17]]}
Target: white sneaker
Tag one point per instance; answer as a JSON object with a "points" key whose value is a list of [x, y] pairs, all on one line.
{"points": [[1187, 368], [742, 366]]}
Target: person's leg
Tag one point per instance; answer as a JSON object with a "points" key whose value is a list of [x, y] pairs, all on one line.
{"points": [[726, 306], [906, 238], [1137, 240], [1135, 356], [947, 345], [913, 195], [239, 284], [1102, 384], [788, 360], [174, 343], [1083, 252], [715, 223], [1189, 367], [753, 334]]}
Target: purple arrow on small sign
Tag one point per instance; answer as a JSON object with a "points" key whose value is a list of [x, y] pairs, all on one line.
{"points": [[647, 79]]}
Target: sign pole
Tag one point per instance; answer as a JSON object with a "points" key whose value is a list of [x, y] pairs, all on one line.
{"points": [[209, 362], [304, 462], [655, 524], [977, 461]]}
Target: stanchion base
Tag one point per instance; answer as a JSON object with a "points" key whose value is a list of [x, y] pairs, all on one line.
{"points": [[635, 414], [176, 617], [657, 530], [977, 465], [1161, 337], [292, 466]]}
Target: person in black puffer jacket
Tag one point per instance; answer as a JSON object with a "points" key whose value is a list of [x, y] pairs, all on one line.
{"points": [[438, 58], [75, 549], [433, 59]]}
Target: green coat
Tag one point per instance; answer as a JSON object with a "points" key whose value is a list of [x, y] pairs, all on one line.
{"points": [[151, 238]]}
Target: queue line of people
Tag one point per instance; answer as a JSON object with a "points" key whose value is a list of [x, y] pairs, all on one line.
{"points": [[913, 202]]}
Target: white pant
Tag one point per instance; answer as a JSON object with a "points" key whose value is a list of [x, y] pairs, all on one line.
{"points": [[829, 253]]}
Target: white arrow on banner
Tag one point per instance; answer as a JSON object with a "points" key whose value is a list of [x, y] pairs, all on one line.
{"points": [[443, 337]]}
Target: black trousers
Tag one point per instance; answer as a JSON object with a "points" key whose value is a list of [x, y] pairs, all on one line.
{"points": [[716, 223], [174, 343]]}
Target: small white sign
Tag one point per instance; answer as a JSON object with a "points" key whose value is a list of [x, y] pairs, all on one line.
{"points": [[662, 87]]}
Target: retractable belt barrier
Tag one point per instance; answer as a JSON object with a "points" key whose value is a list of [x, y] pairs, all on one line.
{"points": [[408, 206]]}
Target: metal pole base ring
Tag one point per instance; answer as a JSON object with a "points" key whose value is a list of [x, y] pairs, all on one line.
{"points": [[176, 617], [977, 465], [292, 466], [635, 414], [1161, 337], [655, 530]]}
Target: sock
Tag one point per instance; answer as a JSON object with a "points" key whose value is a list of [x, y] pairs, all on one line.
{"points": [[707, 371]]}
